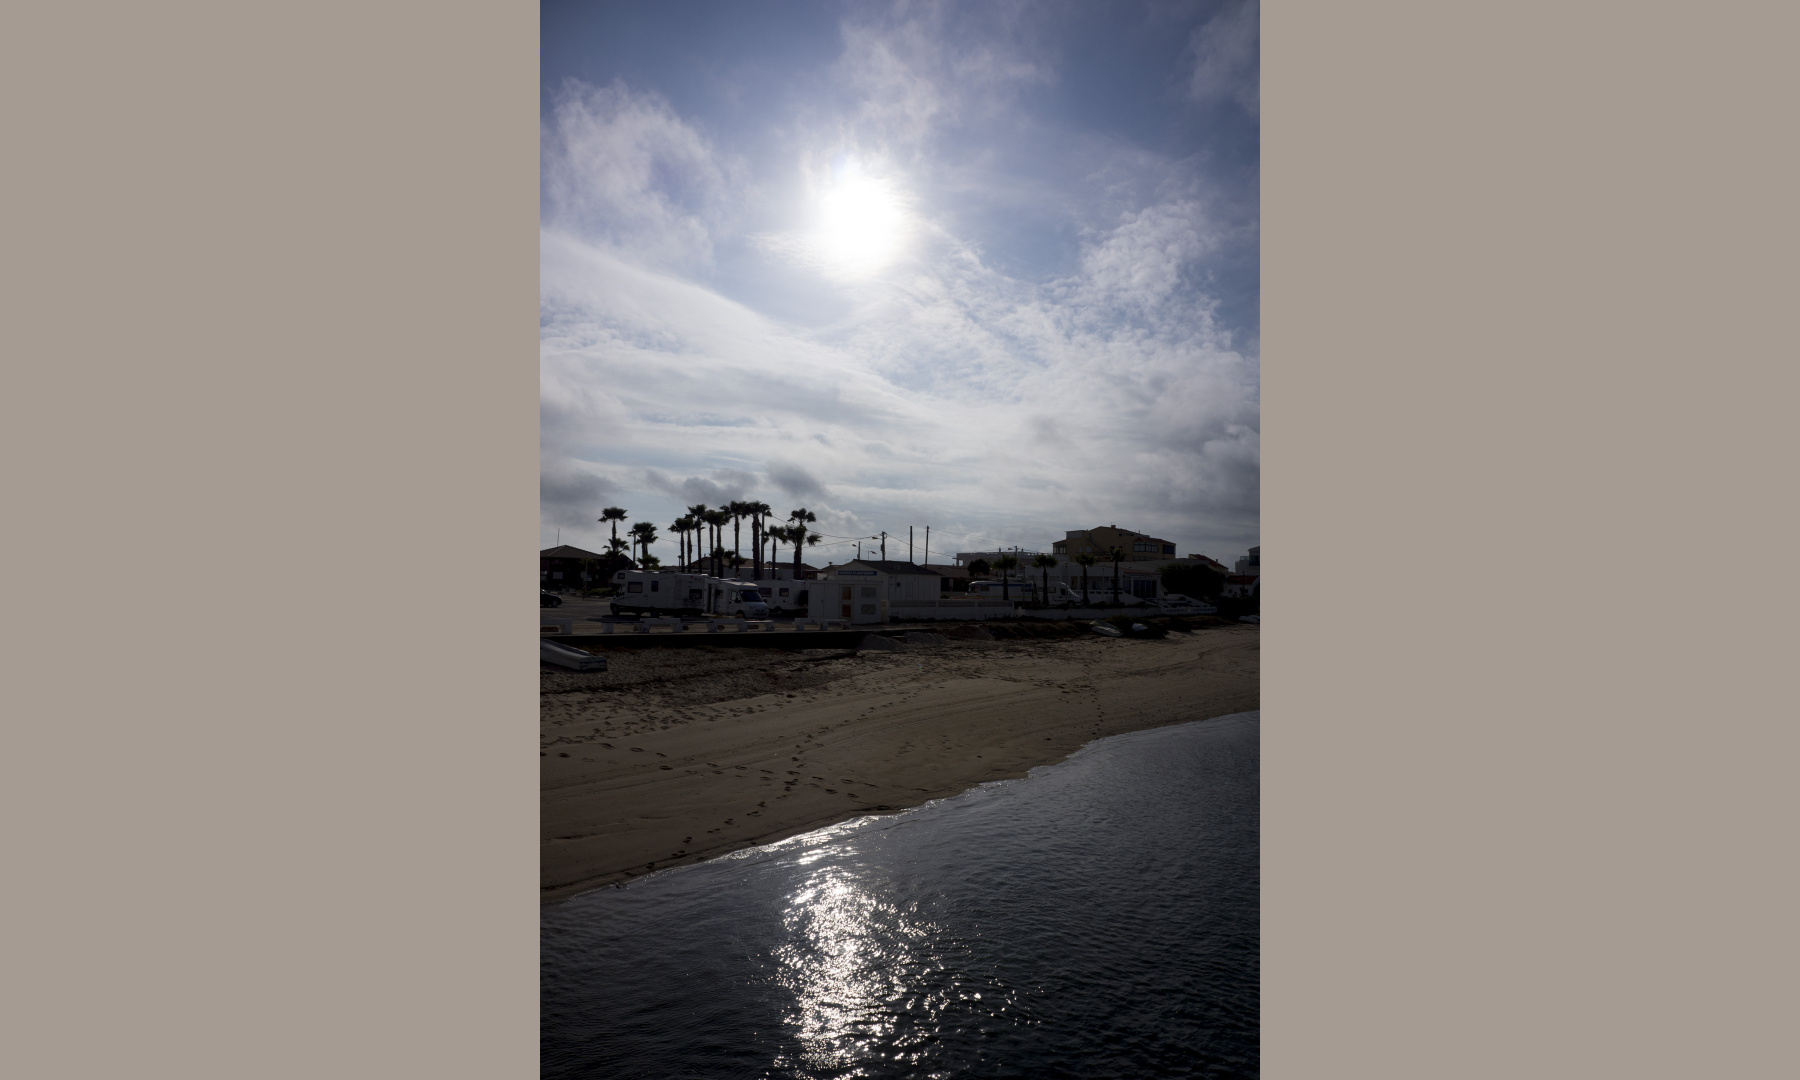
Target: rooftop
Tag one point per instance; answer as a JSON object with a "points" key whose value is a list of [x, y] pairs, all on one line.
{"points": [[890, 566], [568, 551]]}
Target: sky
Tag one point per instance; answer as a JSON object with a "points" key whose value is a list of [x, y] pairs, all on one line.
{"points": [[988, 267]]}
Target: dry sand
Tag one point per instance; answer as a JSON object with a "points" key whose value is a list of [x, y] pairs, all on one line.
{"points": [[678, 755]]}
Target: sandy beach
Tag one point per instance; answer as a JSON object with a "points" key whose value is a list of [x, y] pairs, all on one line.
{"points": [[678, 755]]}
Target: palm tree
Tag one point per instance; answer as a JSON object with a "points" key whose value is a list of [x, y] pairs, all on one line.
{"points": [[1004, 564], [1084, 560], [1117, 555], [757, 510], [680, 528], [615, 556], [1044, 563], [718, 519], [799, 519], [739, 510], [698, 513], [801, 539], [614, 514], [644, 533], [980, 568]]}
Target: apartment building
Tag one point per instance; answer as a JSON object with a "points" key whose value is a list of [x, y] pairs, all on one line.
{"points": [[1139, 547]]}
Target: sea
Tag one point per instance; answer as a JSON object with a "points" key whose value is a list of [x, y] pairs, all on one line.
{"points": [[1096, 918]]}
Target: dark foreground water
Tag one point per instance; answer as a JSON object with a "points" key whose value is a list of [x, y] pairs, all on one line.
{"points": [[1096, 919]]}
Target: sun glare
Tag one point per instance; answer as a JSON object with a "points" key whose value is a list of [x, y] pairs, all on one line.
{"points": [[862, 224]]}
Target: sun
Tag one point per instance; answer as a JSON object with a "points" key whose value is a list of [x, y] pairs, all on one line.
{"points": [[862, 223]]}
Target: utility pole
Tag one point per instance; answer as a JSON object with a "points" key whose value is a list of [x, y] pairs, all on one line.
{"points": [[909, 557], [884, 545], [927, 545]]}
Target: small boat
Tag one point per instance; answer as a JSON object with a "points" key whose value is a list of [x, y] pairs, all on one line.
{"points": [[1250, 618], [555, 652], [1103, 628]]}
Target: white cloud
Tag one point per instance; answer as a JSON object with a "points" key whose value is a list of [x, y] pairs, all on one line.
{"points": [[622, 167], [1226, 55]]}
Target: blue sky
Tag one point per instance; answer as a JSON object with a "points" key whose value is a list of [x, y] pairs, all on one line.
{"points": [[989, 267]]}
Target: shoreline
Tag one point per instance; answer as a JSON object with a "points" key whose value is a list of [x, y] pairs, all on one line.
{"points": [[679, 760]]}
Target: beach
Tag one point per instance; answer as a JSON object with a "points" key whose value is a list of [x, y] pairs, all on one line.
{"points": [[674, 756]]}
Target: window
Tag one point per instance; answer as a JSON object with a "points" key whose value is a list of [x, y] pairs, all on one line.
{"points": [[868, 592], [1144, 588], [655, 586], [868, 609], [781, 592], [635, 586], [1168, 549]]}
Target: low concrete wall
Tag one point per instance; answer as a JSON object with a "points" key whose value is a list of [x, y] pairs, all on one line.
{"points": [[955, 610], [810, 639]]}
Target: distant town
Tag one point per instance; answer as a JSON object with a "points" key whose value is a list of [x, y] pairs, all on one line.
{"points": [[743, 545]]}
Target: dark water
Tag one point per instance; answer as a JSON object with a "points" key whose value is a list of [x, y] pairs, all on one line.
{"points": [[1096, 919]]}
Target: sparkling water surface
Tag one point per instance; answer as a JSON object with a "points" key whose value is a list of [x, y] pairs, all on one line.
{"points": [[1095, 919]]}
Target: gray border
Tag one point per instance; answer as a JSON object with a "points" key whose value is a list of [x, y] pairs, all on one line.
{"points": [[271, 320]]}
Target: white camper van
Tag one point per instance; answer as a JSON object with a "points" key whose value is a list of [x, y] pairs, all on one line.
{"points": [[651, 592]]}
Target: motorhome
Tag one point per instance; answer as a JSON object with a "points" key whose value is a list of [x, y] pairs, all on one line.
{"points": [[778, 587], [652, 592]]}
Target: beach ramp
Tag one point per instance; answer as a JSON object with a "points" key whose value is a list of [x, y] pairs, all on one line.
{"points": [[555, 652]]}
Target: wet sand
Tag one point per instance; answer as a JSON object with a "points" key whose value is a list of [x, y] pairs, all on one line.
{"points": [[674, 756]]}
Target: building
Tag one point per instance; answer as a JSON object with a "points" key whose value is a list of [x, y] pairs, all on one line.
{"points": [[568, 567], [1214, 565], [1251, 564], [862, 590], [964, 558], [955, 578], [1139, 547], [1241, 586]]}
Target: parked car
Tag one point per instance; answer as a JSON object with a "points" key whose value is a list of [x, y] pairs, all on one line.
{"points": [[548, 599]]}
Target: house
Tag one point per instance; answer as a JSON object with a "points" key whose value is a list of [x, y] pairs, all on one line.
{"points": [[862, 590], [1241, 585], [569, 567], [1139, 547], [1214, 565]]}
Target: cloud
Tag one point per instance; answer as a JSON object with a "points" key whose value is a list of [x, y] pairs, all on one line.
{"points": [[795, 481], [1226, 52], [722, 487], [621, 167], [571, 495], [1000, 401]]}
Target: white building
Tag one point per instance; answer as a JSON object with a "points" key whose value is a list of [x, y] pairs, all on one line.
{"points": [[865, 590]]}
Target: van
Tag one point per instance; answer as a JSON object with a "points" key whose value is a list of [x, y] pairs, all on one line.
{"points": [[652, 592]]}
